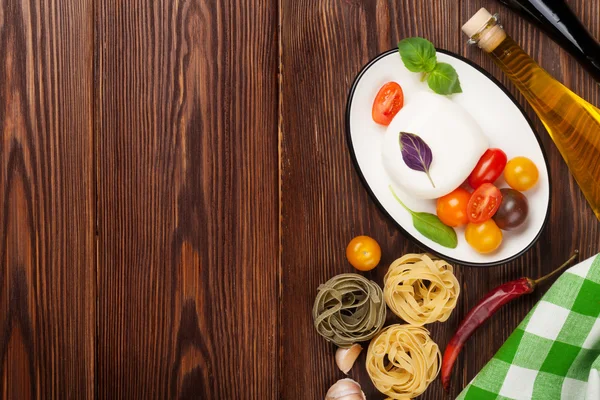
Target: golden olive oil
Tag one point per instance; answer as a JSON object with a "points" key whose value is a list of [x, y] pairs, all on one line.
{"points": [[573, 123]]}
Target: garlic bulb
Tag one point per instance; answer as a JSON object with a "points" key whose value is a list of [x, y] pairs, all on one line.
{"points": [[345, 389], [345, 358]]}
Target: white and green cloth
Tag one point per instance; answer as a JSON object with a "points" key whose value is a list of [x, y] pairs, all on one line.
{"points": [[555, 352]]}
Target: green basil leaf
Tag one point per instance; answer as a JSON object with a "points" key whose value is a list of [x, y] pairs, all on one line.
{"points": [[418, 54], [444, 79], [431, 227]]}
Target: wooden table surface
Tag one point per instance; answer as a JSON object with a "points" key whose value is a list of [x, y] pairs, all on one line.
{"points": [[175, 183]]}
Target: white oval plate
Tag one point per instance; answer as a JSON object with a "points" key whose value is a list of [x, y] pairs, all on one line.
{"points": [[500, 117]]}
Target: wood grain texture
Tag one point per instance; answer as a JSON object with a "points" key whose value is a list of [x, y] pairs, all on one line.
{"points": [[47, 254], [175, 183], [187, 161], [325, 43]]}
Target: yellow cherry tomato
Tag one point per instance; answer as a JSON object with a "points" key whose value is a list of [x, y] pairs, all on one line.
{"points": [[521, 174], [363, 253], [484, 237]]}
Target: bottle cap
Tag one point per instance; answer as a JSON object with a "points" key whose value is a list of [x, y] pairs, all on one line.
{"points": [[477, 22]]}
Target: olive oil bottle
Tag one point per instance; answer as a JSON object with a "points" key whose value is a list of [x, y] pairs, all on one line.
{"points": [[573, 123], [556, 18]]}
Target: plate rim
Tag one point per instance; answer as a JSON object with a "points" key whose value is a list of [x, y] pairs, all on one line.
{"points": [[382, 209]]}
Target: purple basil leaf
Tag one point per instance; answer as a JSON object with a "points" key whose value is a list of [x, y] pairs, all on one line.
{"points": [[415, 153]]}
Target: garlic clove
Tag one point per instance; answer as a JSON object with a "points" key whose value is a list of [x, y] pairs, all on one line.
{"points": [[345, 389], [345, 358], [356, 396]]}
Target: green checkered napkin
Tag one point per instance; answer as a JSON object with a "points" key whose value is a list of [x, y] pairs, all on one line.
{"points": [[555, 352]]}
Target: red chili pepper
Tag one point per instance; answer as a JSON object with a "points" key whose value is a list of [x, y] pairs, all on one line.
{"points": [[484, 310]]}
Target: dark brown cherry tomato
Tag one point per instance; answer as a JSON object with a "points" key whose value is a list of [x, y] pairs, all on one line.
{"points": [[488, 169], [484, 203], [388, 102], [512, 211]]}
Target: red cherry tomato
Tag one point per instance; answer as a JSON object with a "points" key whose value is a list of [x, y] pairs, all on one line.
{"points": [[388, 102], [488, 169], [484, 203]]}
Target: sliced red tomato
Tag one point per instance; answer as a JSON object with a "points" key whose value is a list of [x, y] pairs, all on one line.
{"points": [[488, 169], [484, 203], [388, 102]]}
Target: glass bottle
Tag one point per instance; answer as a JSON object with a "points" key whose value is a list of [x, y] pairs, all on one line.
{"points": [[560, 23], [573, 123]]}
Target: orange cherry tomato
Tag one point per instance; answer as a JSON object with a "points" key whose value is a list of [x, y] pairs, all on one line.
{"points": [[484, 237], [521, 174], [452, 208], [388, 102], [484, 203], [364, 253]]}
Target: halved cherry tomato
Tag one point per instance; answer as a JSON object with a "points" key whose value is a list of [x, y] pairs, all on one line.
{"points": [[484, 203], [521, 174], [364, 253], [388, 102], [488, 169], [452, 208], [484, 237]]}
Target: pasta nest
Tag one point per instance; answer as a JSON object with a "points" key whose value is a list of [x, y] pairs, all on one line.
{"points": [[421, 290], [402, 361], [349, 308]]}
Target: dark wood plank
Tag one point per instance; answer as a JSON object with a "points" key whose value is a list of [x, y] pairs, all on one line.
{"points": [[324, 205], [187, 199], [47, 254]]}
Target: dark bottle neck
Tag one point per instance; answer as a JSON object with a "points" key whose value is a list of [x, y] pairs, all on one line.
{"points": [[562, 25]]}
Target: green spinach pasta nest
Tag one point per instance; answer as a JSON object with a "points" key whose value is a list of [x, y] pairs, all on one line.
{"points": [[348, 309]]}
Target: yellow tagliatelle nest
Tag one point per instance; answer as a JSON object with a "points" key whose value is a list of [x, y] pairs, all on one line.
{"points": [[402, 361], [421, 290]]}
